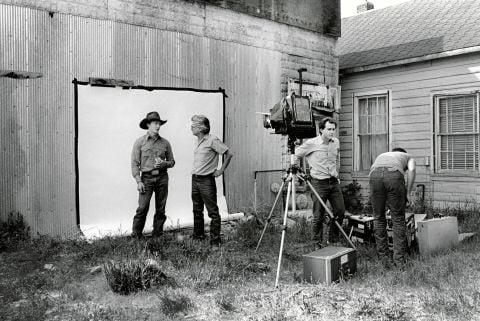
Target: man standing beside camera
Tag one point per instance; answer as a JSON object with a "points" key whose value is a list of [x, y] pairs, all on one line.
{"points": [[204, 189], [322, 154], [151, 156], [387, 188]]}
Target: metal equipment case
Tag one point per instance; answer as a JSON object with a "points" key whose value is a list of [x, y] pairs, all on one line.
{"points": [[361, 227], [329, 264]]}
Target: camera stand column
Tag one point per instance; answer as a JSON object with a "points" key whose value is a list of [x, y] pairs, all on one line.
{"points": [[290, 188]]}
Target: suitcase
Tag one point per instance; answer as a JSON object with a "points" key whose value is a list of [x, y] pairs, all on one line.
{"points": [[329, 264]]}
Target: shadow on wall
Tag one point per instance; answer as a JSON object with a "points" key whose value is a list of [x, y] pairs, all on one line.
{"points": [[13, 157]]}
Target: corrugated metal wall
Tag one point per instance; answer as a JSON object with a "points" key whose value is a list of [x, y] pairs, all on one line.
{"points": [[37, 118]]}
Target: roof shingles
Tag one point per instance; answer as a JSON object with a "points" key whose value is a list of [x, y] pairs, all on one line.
{"points": [[411, 29]]}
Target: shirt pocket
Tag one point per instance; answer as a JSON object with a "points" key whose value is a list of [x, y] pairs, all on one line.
{"points": [[332, 155], [158, 152], [146, 153]]}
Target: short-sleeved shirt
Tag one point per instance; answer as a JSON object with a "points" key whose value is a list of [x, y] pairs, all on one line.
{"points": [[394, 161], [205, 155], [145, 150], [321, 157]]}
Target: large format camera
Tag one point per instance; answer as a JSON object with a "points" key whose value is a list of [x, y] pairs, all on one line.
{"points": [[292, 116]]}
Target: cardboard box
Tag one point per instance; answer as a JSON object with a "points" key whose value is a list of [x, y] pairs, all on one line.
{"points": [[437, 234], [329, 264]]}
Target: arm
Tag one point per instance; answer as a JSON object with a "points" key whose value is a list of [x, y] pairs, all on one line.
{"points": [[136, 156], [337, 164], [301, 151], [169, 160], [136, 162], [228, 157], [410, 176]]}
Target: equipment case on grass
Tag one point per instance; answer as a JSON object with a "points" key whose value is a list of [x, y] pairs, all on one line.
{"points": [[329, 264]]}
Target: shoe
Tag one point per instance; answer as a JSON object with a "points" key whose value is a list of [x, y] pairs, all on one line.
{"points": [[156, 235], [198, 237], [386, 262], [135, 236], [216, 243]]}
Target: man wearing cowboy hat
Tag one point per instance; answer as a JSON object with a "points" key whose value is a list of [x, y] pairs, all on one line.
{"points": [[151, 156], [204, 189]]}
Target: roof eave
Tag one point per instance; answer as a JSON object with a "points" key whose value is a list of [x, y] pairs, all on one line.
{"points": [[444, 54]]}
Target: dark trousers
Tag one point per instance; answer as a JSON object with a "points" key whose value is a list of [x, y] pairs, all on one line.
{"points": [[387, 188], [204, 192], [329, 190], [153, 184]]}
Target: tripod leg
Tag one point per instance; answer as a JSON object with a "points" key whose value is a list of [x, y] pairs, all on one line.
{"points": [[330, 214], [270, 215], [291, 187]]}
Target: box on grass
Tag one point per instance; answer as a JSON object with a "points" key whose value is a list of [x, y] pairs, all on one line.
{"points": [[361, 227], [329, 264], [437, 234]]}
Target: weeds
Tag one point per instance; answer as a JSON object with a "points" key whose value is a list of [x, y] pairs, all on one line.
{"points": [[226, 300], [13, 231], [134, 275], [173, 302], [232, 282]]}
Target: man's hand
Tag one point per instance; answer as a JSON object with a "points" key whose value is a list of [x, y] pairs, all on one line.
{"points": [[409, 199], [141, 187], [160, 163], [217, 173]]}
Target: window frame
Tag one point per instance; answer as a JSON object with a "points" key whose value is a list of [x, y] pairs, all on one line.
{"points": [[436, 130], [355, 122]]}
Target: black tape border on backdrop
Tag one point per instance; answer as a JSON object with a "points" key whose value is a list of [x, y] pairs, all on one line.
{"points": [[86, 83]]}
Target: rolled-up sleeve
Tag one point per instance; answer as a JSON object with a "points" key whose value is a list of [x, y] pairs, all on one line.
{"points": [[219, 146], [169, 157], [136, 154], [302, 151]]}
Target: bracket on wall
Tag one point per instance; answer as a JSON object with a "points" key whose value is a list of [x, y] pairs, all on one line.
{"points": [[19, 74], [110, 82]]}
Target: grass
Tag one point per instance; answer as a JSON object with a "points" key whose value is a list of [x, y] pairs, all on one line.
{"points": [[233, 282]]}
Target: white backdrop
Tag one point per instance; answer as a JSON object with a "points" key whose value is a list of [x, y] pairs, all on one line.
{"points": [[108, 125]]}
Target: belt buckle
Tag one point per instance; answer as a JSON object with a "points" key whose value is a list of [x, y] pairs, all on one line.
{"points": [[155, 172]]}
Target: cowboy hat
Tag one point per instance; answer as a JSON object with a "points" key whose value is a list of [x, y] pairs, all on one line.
{"points": [[151, 116]]}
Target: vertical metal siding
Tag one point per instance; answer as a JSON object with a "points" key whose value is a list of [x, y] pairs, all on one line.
{"points": [[37, 118]]}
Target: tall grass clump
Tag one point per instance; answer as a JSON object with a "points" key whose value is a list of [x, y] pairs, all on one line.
{"points": [[130, 276], [13, 231]]}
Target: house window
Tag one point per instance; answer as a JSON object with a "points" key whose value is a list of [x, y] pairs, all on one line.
{"points": [[370, 129], [456, 132]]}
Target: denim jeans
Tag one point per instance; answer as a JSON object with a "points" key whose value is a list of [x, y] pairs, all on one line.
{"points": [[204, 192], [329, 190], [387, 189], [159, 186]]}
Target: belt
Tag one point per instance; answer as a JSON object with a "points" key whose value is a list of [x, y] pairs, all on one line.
{"points": [[202, 176], [154, 172], [383, 168], [327, 179]]}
